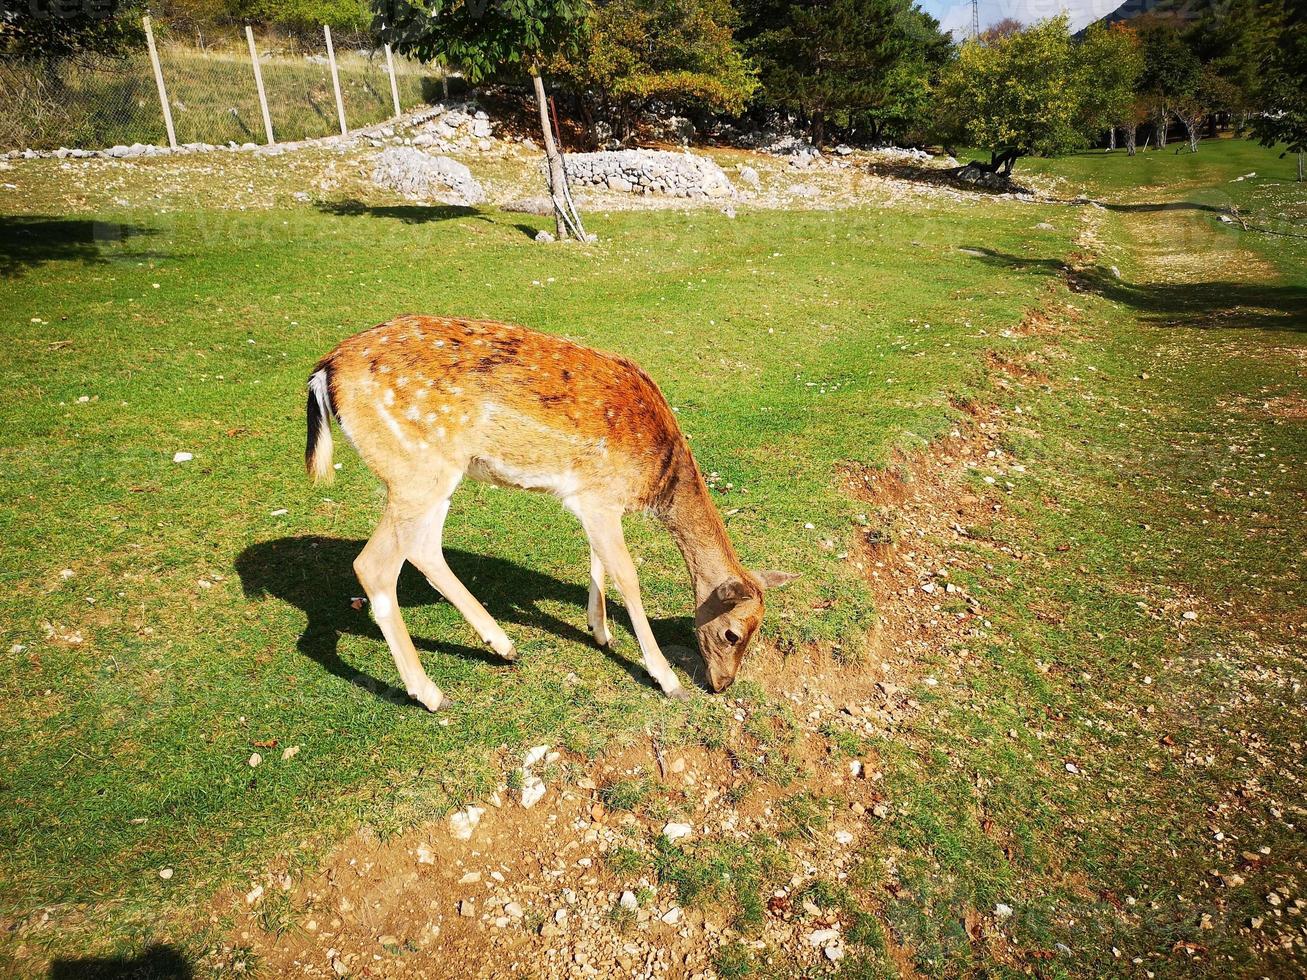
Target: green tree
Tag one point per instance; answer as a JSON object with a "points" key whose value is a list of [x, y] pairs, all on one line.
{"points": [[1172, 73], [304, 16], [1232, 38], [51, 31], [1031, 92], [1113, 59], [484, 36], [1284, 88], [847, 60], [679, 51]]}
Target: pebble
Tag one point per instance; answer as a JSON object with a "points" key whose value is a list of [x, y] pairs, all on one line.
{"points": [[675, 831]]}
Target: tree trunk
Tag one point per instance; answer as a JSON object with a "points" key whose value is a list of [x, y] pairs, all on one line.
{"points": [[1191, 130], [817, 128], [1301, 155], [1111, 138], [1160, 126], [566, 220], [1131, 137]]}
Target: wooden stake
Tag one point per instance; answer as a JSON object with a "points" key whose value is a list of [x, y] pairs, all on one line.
{"points": [[335, 80], [258, 83], [394, 85], [158, 82]]}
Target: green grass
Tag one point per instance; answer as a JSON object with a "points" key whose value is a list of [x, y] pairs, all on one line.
{"points": [[792, 345]]}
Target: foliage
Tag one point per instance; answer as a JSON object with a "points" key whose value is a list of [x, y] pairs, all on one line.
{"points": [[1029, 92], [680, 51], [1171, 70], [304, 15], [848, 60], [1284, 86], [482, 37], [1233, 39], [48, 32], [1114, 58]]}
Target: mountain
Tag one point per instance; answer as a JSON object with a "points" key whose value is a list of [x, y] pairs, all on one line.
{"points": [[1186, 11]]}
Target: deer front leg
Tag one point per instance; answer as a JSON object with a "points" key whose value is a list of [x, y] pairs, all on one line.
{"points": [[596, 608], [604, 528], [377, 568]]}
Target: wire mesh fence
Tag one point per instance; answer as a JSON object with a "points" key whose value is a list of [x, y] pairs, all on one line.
{"points": [[100, 102]]}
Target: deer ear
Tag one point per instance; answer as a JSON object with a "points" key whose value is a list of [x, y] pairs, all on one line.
{"points": [[772, 579]]}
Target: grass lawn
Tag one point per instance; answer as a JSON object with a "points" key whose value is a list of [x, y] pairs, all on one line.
{"points": [[163, 621]]}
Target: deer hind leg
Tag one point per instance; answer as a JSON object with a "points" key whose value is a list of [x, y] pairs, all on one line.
{"points": [[377, 568], [604, 529], [427, 554], [596, 609]]}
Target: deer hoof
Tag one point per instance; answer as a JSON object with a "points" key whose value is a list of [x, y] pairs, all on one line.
{"points": [[430, 697], [679, 693]]}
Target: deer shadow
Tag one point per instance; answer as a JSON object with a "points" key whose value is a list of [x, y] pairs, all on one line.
{"points": [[315, 574], [155, 963]]}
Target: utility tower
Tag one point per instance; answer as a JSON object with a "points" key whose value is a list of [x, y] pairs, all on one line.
{"points": [[975, 19]]}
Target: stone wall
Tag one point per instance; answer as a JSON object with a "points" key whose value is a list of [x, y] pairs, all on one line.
{"points": [[424, 177], [649, 172]]}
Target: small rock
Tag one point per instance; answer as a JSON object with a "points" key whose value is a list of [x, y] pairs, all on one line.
{"points": [[675, 831], [289, 752], [254, 895], [673, 915], [834, 952], [629, 901], [544, 237], [467, 908], [822, 936], [515, 910], [255, 760], [165, 873], [533, 790], [463, 823], [471, 878], [182, 457], [1002, 911], [425, 854]]}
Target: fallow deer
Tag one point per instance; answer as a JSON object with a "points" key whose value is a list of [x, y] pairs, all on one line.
{"points": [[427, 400]]}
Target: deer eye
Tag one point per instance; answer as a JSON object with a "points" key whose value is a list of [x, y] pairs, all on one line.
{"points": [[732, 637]]}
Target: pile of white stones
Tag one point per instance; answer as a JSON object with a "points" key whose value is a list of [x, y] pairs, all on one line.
{"points": [[457, 127], [650, 172], [422, 177]]}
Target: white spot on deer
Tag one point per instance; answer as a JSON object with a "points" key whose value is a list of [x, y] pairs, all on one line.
{"points": [[381, 605], [431, 416], [440, 343], [395, 428], [413, 413], [440, 432], [389, 397]]}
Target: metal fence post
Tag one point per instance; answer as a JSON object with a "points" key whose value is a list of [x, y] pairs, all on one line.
{"points": [[158, 81], [335, 80], [394, 86], [258, 83]]}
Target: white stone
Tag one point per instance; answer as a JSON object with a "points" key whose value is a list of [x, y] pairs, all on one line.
{"points": [[463, 823], [675, 831], [533, 790]]}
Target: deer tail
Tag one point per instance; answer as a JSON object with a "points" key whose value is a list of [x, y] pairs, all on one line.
{"points": [[318, 447]]}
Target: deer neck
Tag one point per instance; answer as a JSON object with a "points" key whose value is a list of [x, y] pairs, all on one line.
{"points": [[691, 518]]}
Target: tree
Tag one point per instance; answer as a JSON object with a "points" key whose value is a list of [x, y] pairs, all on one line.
{"points": [[1113, 59], [483, 36], [1002, 28], [1172, 72], [50, 31], [1029, 92], [681, 51], [1284, 88], [1232, 39], [847, 60]]}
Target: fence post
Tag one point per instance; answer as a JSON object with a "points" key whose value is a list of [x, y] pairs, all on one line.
{"points": [[158, 82], [335, 79], [258, 83], [394, 86]]}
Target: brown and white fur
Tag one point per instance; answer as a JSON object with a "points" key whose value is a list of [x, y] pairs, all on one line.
{"points": [[427, 400]]}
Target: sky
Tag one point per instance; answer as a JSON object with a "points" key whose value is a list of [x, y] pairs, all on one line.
{"points": [[955, 15]]}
